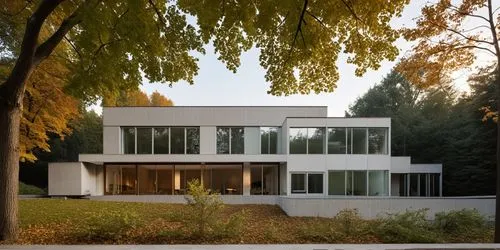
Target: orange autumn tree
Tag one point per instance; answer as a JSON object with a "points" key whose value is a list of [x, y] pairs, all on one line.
{"points": [[158, 99], [47, 108], [449, 37], [136, 97]]}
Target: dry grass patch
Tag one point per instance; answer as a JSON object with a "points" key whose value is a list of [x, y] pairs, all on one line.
{"points": [[54, 221]]}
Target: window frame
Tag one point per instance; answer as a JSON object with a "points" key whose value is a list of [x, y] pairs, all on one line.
{"points": [[230, 140], [306, 182], [152, 128]]}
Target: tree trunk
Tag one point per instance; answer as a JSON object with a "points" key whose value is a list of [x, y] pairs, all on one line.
{"points": [[497, 203], [9, 171]]}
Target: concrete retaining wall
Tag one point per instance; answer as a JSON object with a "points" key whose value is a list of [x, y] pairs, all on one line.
{"points": [[179, 199], [372, 207], [368, 207]]}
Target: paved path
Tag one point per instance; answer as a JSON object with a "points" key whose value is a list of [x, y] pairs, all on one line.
{"points": [[256, 247]]}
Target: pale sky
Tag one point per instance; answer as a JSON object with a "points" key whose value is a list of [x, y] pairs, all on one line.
{"points": [[216, 86]]}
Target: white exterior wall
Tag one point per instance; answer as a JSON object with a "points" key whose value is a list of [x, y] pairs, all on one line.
{"points": [[111, 140], [75, 178], [252, 140], [208, 140]]}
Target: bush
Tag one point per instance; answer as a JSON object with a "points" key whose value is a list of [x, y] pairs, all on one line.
{"points": [[109, 225], [233, 227], [30, 189], [344, 226], [204, 209], [349, 223], [406, 227], [461, 221]]}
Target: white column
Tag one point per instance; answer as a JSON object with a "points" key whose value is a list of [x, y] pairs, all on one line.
{"points": [[246, 178]]}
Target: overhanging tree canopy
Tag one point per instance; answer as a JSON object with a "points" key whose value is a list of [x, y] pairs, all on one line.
{"points": [[109, 45]]}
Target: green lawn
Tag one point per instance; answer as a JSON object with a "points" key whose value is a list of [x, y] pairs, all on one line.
{"points": [[57, 221]]}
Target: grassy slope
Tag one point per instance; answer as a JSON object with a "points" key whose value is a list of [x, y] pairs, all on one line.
{"points": [[53, 221]]}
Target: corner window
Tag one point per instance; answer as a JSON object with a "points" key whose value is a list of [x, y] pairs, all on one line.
{"points": [[269, 140], [377, 140], [230, 140]]}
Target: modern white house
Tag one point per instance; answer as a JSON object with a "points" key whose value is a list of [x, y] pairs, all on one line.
{"points": [[244, 151]]}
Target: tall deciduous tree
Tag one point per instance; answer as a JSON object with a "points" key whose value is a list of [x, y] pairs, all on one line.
{"points": [[448, 37], [110, 45]]}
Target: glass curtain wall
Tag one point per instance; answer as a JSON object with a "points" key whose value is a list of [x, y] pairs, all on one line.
{"points": [[224, 179], [161, 141], [378, 183], [264, 179], [121, 179], [129, 140], [307, 141], [337, 140], [307, 183], [192, 140], [268, 140], [336, 183], [144, 141], [230, 140]]}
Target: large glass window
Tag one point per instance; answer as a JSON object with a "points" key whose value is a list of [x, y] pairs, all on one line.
{"points": [[192, 140], [356, 183], [237, 141], [177, 140], [315, 183], [230, 140], [298, 140], [316, 140], [161, 140], [414, 183], [129, 140], [225, 179], [336, 182], [298, 183], [359, 141], [268, 140], [378, 183], [337, 140], [147, 179], [377, 140], [223, 140], [434, 184], [164, 179], [144, 141]]}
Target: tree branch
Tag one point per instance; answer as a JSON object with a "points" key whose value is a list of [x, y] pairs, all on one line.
{"points": [[12, 90], [46, 48], [454, 8]]}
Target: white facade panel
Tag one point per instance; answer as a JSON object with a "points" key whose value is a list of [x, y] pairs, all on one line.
{"points": [[205, 116], [208, 141], [111, 140], [252, 140], [400, 164], [65, 178], [195, 158], [426, 168], [303, 163]]}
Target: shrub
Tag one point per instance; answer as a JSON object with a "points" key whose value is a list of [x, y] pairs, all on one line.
{"points": [[349, 223], [109, 225], [30, 189], [204, 208], [406, 227], [271, 231], [460, 221], [318, 231], [233, 227]]}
